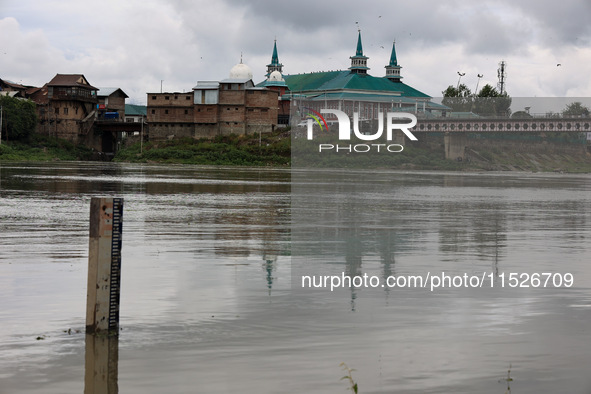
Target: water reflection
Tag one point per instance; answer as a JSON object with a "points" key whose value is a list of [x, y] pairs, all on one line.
{"points": [[208, 299], [101, 364]]}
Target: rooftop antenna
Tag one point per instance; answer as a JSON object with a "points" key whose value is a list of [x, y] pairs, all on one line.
{"points": [[502, 74]]}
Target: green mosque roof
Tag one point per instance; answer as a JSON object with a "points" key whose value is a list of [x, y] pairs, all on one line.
{"points": [[350, 82]]}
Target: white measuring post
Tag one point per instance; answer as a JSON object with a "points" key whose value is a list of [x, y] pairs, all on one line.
{"points": [[104, 265]]}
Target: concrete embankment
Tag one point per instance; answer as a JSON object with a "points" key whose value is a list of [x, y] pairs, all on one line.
{"points": [[542, 151]]}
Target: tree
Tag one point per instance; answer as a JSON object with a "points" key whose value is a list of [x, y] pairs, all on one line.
{"points": [[489, 102], [575, 109], [458, 99], [19, 118], [521, 115], [488, 91]]}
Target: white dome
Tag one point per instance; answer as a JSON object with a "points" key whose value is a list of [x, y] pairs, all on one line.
{"points": [[241, 71], [276, 76]]}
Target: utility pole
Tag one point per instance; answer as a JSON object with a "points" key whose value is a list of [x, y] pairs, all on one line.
{"points": [[1, 108], [142, 137], [477, 83]]}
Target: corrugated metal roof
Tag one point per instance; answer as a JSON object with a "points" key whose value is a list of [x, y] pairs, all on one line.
{"points": [[235, 80], [207, 85], [109, 91], [135, 110]]}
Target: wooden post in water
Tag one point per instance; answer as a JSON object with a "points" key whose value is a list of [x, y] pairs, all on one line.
{"points": [[104, 265]]}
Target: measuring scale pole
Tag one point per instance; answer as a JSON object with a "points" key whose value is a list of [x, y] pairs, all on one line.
{"points": [[104, 265]]}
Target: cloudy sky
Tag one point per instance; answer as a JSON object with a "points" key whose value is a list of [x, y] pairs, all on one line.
{"points": [[136, 44]]}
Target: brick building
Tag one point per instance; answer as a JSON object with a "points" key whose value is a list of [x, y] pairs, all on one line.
{"points": [[66, 107], [230, 106], [111, 104]]}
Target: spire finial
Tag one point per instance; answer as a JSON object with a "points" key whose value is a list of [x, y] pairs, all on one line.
{"points": [[274, 65], [393, 69], [359, 62], [359, 51], [240, 57]]}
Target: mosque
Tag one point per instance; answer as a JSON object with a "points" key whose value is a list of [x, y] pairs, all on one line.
{"points": [[351, 90], [236, 106]]}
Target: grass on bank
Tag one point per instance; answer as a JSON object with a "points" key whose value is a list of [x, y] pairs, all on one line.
{"points": [[276, 149], [272, 149], [43, 148]]}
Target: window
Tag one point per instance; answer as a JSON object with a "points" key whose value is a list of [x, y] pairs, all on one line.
{"points": [[153, 111], [166, 97], [176, 97], [186, 111], [153, 97], [236, 108], [166, 111], [57, 111], [65, 111], [187, 97], [251, 92]]}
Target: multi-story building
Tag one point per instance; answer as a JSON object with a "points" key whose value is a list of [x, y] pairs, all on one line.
{"points": [[230, 106], [67, 107], [111, 104]]}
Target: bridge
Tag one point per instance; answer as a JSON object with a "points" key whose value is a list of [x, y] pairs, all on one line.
{"points": [[455, 130]]}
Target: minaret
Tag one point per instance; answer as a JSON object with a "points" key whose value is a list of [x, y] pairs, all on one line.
{"points": [[275, 65], [393, 69], [359, 62]]}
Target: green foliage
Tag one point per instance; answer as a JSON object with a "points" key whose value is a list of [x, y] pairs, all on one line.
{"points": [[575, 109], [458, 99], [488, 102], [43, 148], [488, 91], [19, 118], [349, 376], [242, 150]]}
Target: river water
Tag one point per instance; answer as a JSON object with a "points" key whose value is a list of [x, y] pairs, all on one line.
{"points": [[212, 265]]}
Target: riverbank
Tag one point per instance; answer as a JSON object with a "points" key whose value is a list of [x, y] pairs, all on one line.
{"points": [[43, 148], [275, 149]]}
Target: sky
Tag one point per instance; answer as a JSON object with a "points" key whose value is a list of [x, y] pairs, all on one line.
{"points": [[143, 45]]}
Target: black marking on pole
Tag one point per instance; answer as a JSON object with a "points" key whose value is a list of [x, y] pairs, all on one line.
{"points": [[115, 284]]}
